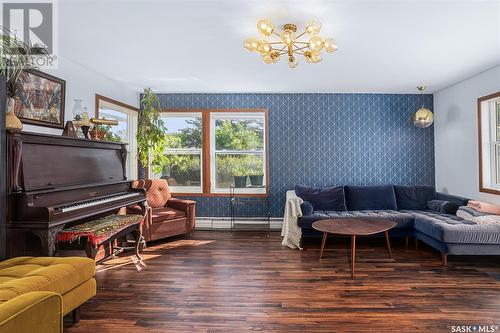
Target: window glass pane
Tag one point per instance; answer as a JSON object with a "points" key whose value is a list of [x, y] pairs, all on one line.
{"points": [[120, 131], [230, 167], [497, 123], [182, 170], [183, 161], [239, 134], [183, 132]]}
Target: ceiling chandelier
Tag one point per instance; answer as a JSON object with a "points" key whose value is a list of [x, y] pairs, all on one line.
{"points": [[290, 44], [423, 117]]}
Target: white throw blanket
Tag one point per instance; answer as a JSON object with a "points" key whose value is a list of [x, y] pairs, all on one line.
{"points": [[290, 231]]}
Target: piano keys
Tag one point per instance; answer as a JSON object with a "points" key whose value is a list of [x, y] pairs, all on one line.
{"points": [[54, 182]]}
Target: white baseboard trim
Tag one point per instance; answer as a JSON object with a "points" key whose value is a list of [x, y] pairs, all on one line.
{"points": [[247, 223]]}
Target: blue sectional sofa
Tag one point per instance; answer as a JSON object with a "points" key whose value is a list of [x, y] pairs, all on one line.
{"points": [[419, 211]]}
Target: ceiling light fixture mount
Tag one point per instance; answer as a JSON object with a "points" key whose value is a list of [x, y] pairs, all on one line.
{"points": [[289, 44]]}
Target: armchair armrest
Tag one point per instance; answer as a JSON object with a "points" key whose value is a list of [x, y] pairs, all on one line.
{"points": [[187, 206], [180, 204], [37, 311]]}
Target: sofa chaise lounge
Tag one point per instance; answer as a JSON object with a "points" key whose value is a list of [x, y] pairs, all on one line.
{"points": [[419, 212]]}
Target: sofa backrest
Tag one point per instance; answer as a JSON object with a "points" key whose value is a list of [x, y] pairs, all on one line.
{"points": [[376, 197], [414, 197]]}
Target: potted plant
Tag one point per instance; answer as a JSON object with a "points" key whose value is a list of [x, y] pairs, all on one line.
{"points": [[240, 174], [15, 57], [151, 133], [255, 171]]}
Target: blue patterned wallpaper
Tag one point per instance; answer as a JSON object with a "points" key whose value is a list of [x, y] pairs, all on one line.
{"points": [[328, 139]]}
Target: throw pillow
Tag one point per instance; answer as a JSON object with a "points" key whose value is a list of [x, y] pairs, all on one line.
{"points": [[328, 198]]}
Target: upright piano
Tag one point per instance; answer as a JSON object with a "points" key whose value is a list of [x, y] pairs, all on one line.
{"points": [[55, 182]]}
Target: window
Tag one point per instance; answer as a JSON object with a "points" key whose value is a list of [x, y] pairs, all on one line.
{"points": [[126, 129], [183, 169], [209, 151], [237, 151], [489, 143]]}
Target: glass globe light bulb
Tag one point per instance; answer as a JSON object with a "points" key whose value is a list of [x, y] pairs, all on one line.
{"points": [[329, 45], [251, 44], [315, 57], [423, 118], [267, 59], [313, 26], [265, 27], [315, 43], [292, 62], [264, 47]]}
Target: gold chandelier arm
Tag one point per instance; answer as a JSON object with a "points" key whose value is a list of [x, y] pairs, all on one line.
{"points": [[274, 33], [298, 52], [300, 48], [302, 34], [301, 42], [275, 42]]}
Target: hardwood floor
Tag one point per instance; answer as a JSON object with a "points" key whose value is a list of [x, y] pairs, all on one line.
{"points": [[215, 282]]}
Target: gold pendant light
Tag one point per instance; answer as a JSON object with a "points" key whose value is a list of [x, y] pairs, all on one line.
{"points": [[288, 43], [423, 117]]}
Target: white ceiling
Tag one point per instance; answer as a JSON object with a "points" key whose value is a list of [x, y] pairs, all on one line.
{"points": [[197, 46]]}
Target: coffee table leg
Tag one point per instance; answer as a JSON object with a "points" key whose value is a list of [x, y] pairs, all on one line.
{"points": [[353, 254], [388, 243], [323, 242]]}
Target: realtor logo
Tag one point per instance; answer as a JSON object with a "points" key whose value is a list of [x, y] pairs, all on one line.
{"points": [[34, 23]]}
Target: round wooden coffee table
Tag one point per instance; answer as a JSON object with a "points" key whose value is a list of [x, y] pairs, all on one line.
{"points": [[354, 227]]}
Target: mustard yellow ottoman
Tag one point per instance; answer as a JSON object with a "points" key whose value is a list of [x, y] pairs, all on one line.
{"points": [[36, 292]]}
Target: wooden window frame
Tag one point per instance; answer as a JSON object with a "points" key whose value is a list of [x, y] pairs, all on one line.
{"points": [[205, 124], [99, 98], [480, 100]]}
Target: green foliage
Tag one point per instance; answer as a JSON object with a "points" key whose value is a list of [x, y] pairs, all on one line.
{"points": [[15, 57], [236, 135], [151, 132], [109, 135]]}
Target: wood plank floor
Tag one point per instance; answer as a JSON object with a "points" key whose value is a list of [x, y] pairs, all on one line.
{"points": [[215, 282]]}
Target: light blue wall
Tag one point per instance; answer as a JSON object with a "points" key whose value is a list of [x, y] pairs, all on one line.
{"points": [[329, 139]]}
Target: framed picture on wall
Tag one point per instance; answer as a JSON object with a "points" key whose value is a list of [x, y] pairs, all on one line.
{"points": [[40, 100]]}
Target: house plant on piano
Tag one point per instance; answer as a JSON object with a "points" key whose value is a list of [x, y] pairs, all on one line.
{"points": [[15, 57]]}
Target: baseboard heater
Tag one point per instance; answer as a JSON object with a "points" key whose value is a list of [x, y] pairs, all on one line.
{"points": [[247, 223]]}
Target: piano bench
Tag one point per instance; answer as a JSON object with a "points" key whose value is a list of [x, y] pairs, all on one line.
{"points": [[103, 230]]}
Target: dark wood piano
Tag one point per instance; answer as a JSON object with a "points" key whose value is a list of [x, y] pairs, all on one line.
{"points": [[55, 181]]}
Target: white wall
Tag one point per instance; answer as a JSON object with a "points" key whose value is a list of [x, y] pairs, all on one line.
{"points": [[455, 135], [83, 83]]}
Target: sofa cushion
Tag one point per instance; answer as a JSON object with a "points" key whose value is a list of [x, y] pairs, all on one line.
{"points": [[414, 197], [453, 229], [377, 197], [441, 206], [306, 208], [166, 213], [327, 198], [58, 274], [403, 220]]}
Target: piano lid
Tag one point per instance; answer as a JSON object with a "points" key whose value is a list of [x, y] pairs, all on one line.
{"points": [[51, 161]]}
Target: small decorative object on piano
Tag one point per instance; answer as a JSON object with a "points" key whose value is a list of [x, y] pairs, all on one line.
{"points": [[69, 130], [102, 130], [82, 122]]}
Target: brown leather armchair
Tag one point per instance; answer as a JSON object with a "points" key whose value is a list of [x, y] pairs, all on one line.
{"points": [[166, 216]]}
